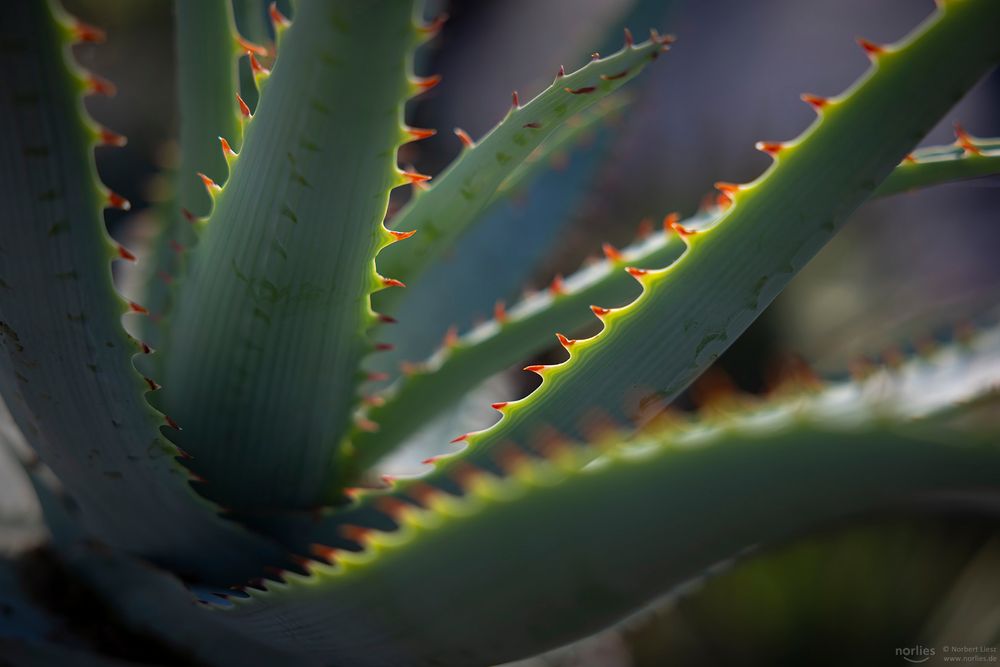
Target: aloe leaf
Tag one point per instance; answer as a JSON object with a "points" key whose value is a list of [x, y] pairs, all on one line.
{"points": [[72, 386], [263, 354], [477, 578], [455, 198], [968, 158], [207, 51], [688, 312], [490, 262]]}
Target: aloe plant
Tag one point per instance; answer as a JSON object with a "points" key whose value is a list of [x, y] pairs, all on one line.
{"points": [[218, 479]]}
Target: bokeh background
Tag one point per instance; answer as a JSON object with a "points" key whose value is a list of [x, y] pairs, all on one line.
{"points": [[904, 269]]}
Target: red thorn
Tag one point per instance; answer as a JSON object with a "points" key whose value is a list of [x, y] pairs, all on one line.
{"points": [[387, 319], [323, 553], [109, 138], [636, 273], [451, 337], [561, 73], [99, 86], [400, 236], [600, 312], [611, 252], [434, 27], [815, 101], [384, 347], [533, 125], [177, 246], [464, 136], [125, 254], [171, 423], [390, 506], [645, 228], [373, 401], [146, 349], [419, 133], [392, 282], [277, 18], [772, 148], [500, 312], [153, 386], [565, 342], [251, 47], [557, 286], [499, 406], [84, 32], [255, 66], [515, 101], [211, 185], [910, 158], [244, 109], [581, 91], [537, 368], [427, 83], [595, 56], [871, 49], [188, 215], [727, 188], [115, 200], [464, 436], [672, 223], [226, 148], [377, 377], [430, 461], [366, 425], [414, 177], [355, 533], [629, 40], [964, 141], [136, 308]]}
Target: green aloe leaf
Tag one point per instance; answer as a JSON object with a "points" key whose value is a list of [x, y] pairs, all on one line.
{"points": [[69, 374], [263, 355]]}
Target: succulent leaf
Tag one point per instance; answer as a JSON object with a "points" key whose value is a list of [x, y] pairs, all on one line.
{"points": [[479, 577], [74, 391], [263, 354]]}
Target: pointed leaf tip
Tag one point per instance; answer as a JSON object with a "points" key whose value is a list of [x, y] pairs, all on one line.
{"points": [[815, 101], [611, 252], [115, 200], [86, 33], [125, 254], [251, 48], [392, 282], [500, 312], [599, 311], [100, 86], [244, 109], [964, 141], [109, 138], [772, 148], [871, 49], [400, 236], [278, 19], [564, 341], [464, 137], [629, 40]]}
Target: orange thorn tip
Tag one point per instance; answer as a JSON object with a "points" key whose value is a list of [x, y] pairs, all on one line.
{"points": [[964, 141], [910, 159], [244, 109], [645, 228], [564, 341], [434, 27], [499, 406], [500, 312], [772, 148], [100, 86], [515, 101], [561, 73], [125, 254], [426, 83], [136, 308], [386, 319], [109, 138], [451, 337], [226, 148], [536, 368], [464, 137], [366, 425], [672, 223], [464, 436], [414, 177], [871, 49], [557, 286], [727, 188], [629, 40], [255, 65], [611, 252], [84, 32], [115, 200], [277, 18], [211, 185], [392, 282], [599, 311], [419, 133], [815, 101], [250, 47], [633, 271], [400, 236]]}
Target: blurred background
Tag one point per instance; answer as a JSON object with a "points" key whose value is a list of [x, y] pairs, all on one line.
{"points": [[905, 268]]}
